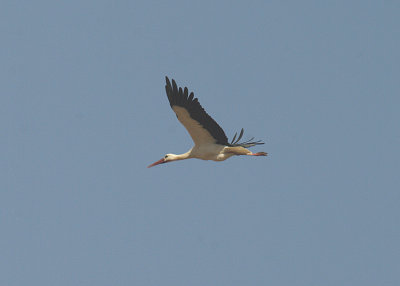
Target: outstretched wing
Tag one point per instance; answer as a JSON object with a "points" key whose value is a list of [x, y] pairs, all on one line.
{"points": [[201, 127]]}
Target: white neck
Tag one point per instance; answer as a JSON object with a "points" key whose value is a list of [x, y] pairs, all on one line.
{"points": [[174, 157], [183, 156]]}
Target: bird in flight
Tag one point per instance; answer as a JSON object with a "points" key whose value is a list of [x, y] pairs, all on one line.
{"points": [[210, 141]]}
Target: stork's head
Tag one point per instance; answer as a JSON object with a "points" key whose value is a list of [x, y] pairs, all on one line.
{"points": [[167, 158]]}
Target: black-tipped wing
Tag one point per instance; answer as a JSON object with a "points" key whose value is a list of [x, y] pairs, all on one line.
{"points": [[201, 127]]}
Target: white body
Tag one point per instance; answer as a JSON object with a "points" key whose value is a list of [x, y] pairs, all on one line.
{"points": [[213, 152]]}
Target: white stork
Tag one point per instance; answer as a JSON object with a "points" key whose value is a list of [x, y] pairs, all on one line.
{"points": [[210, 141]]}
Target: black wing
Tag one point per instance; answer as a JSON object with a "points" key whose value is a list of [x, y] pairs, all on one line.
{"points": [[201, 127]]}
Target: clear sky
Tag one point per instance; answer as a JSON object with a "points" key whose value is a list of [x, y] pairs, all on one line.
{"points": [[83, 111]]}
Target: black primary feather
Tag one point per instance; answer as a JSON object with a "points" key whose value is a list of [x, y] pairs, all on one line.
{"points": [[246, 144]]}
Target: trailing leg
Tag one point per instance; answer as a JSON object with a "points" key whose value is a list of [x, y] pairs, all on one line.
{"points": [[259, 154]]}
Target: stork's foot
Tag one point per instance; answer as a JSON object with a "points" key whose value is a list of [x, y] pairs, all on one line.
{"points": [[259, 154]]}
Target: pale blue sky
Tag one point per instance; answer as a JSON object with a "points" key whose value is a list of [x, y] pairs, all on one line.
{"points": [[83, 111]]}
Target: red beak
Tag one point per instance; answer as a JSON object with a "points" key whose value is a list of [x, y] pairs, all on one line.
{"points": [[161, 161]]}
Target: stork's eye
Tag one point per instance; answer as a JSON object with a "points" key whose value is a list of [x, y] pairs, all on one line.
{"points": [[166, 156]]}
